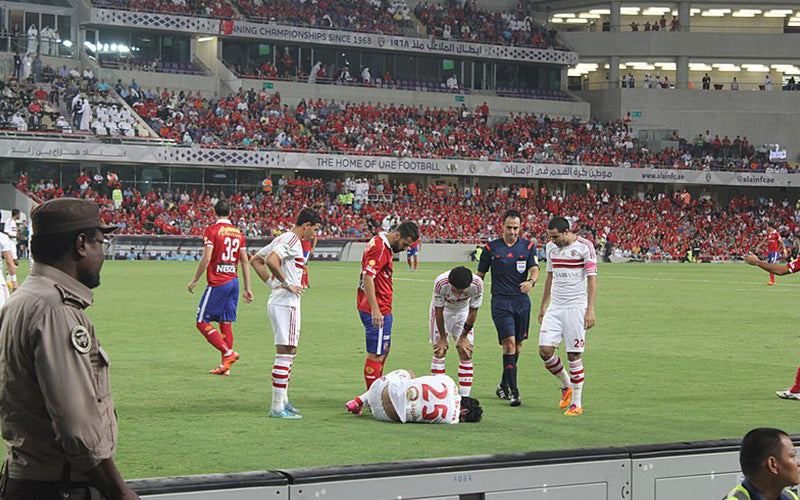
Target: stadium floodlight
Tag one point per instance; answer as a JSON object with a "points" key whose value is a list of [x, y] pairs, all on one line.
{"points": [[656, 11], [588, 15], [602, 12], [564, 14], [205, 38], [556, 20], [629, 11], [577, 20], [778, 13], [746, 12], [756, 68], [666, 66], [714, 13], [67, 43], [699, 67]]}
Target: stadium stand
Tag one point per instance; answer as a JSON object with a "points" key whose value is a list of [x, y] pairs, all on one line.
{"points": [[657, 227], [261, 121], [464, 21]]}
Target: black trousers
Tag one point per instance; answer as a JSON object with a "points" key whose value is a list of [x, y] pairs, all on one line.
{"points": [[20, 489]]}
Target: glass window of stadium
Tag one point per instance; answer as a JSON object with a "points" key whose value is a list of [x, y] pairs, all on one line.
{"points": [[246, 57], [144, 47], [17, 22]]}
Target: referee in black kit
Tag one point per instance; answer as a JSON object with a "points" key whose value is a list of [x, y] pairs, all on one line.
{"points": [[515, 269]]}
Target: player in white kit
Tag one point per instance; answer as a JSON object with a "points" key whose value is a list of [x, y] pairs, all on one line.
{"points": [[280, 264], [457, 295], [399, 397], [10, 276], [570, 289], [10, 229]]}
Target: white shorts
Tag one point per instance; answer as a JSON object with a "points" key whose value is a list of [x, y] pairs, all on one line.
{"points": [[397, 390], [453, 324], [285, 321], [4, 292], [564, 324]]}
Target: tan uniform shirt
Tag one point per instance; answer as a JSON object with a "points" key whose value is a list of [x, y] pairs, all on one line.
{"points": [[55, 394]]}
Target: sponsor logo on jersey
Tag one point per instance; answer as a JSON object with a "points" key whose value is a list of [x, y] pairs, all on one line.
{"points": [[412, 394], [226, 268]]}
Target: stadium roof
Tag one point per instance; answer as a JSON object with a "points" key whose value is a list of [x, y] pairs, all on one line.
{"points": [[53, 3], [578, 4]]}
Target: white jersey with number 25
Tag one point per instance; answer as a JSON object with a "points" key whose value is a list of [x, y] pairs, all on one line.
{"points": [[432, 399]]}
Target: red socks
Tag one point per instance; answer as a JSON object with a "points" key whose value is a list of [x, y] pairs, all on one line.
{"points": [[226, 329], [213, 337], [796, 387], [373, 370]]}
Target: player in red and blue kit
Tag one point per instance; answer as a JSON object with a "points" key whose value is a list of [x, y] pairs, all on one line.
{"points": [[224, 248], [374, 298], [308, 249], [411, 254], [775, 248], [512, 261], [792, 267]]}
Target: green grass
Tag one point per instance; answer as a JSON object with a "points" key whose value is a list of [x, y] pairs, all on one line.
{"points": [[680, 352]]}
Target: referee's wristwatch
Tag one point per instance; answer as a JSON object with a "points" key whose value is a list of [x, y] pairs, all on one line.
{"points": [[533, 283]]}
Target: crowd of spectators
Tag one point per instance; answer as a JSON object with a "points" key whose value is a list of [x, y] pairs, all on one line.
{"points": [[259, 120], [652, 226], [206, 8], [374, 16], [445, 19], [462, 20]]}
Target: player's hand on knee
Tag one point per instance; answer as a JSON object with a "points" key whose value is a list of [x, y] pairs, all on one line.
{"points": [[464, 346], [440, 347]]}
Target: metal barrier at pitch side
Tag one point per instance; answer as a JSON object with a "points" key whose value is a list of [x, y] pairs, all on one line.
{"points": [[700, 470]]}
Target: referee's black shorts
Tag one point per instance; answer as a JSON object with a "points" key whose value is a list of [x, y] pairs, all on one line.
{"points": [[511, 316]]}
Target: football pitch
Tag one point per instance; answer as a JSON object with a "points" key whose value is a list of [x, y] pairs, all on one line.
{"points": [[680, 352]]}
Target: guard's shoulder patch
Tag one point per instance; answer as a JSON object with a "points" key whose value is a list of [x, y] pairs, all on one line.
{"points": [[81, 340], [68, 297]]}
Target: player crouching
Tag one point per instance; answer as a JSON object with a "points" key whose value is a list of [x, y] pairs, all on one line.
{"points": [[399, 397], [457, 295]]}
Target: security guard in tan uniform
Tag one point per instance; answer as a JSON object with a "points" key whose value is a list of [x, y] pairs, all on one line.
{"points": [[769, 463], [56, 408]]}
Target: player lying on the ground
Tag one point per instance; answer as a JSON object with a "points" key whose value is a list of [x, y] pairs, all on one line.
{"points": [[399, 397]]}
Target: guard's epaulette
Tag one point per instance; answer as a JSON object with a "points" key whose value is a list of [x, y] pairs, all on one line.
{"points": [[69, 297]]}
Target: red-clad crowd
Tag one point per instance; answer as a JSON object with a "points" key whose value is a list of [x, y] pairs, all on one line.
{"points": [[356, 15], [261, 121], [458, 20], [655, 226], [206, 8], [451, 19]]}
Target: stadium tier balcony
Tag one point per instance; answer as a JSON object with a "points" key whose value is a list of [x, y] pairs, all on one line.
{"points": [[136, 64]]}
